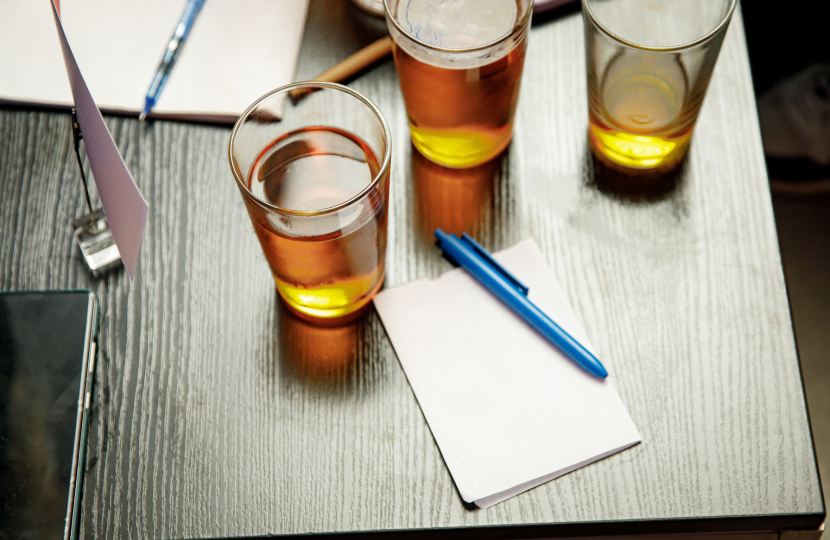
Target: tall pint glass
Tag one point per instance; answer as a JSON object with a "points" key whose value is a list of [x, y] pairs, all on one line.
{"points": [[460, 67], [649, 63]]}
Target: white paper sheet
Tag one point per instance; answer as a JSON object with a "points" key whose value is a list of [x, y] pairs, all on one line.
{"points": [[237, 51], [507, 409], [124, 206]]}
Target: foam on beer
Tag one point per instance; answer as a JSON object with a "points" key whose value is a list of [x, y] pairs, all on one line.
{"points": [[456, 24]]}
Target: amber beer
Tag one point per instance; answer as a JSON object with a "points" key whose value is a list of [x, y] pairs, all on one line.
{"points": [[338, 270], [460, 78], [636, 117], [313, 173], [648, 67]]}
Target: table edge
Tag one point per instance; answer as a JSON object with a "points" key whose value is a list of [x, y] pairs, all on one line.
{"points": [[623, 528]]}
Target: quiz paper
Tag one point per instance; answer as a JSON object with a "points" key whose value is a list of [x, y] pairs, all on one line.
{"points": [[124, 206], [507, 409]]}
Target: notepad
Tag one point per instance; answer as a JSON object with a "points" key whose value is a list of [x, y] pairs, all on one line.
{"points": [[508, 411], [237, 51]]}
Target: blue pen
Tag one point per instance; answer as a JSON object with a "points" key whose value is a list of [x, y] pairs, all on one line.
{"points": [[480, 264], [166, 64]]}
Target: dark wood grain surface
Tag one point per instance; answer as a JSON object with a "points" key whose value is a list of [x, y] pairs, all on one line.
{"points": [[219, 414]]}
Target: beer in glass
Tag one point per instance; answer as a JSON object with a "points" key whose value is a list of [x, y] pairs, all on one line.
{"points": [[460, 67]]}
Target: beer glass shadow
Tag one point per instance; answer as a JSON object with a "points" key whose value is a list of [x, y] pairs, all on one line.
{"points": [[455, 200], [633, 186], [331, 359]]}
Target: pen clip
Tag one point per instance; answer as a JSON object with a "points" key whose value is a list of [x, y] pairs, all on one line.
{"points": [[76, 130], [475, 246]]}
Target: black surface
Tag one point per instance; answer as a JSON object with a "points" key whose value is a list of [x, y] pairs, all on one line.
{"points": [[220, 415], [42, 338], [782, 39]]}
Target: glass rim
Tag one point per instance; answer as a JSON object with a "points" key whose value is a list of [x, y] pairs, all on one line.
{"points": [[384, 168], [672, 48], [520, 24]]}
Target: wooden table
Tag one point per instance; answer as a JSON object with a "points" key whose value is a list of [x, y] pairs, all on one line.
{"points": [[217, 414]]}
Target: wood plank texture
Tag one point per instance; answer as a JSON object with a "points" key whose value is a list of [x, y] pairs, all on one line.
{"points": [[219, 414]]}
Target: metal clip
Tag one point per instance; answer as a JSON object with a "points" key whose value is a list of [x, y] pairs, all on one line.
{"points": [[92, 231], [518, 285]]}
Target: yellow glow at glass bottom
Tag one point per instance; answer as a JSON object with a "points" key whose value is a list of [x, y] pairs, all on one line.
{"points": [[638, 151], [459, 148], [330, 302]]}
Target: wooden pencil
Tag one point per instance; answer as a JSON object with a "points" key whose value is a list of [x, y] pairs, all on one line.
{"points": [[352, 65]]}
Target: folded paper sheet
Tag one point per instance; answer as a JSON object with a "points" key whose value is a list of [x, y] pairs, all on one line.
{"points": [[124, 206], [237, 51], [508, 410]]}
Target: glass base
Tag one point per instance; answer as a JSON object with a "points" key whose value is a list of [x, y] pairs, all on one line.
{"points": [[637, 153], [312, 306], [459, 149]]}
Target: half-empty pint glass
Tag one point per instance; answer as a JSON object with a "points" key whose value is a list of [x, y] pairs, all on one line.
{"points": [[313, 170], [649, 63], [460, 65]]}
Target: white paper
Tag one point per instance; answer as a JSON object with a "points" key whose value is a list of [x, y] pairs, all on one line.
{"points": [[237, 51], [507, 409], [124, 206]]}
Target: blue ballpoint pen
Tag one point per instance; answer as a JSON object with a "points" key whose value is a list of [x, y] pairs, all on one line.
{"points": [[480, 264], [166, 64]]}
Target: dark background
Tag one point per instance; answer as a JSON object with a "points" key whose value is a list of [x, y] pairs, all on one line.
{"points": [[783, 39], [782, 43]]}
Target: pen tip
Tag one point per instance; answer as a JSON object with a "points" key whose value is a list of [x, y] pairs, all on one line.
{"points": [[142, 116]]}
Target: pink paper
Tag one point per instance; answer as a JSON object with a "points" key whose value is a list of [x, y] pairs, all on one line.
{"points": [[124, 206]]}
